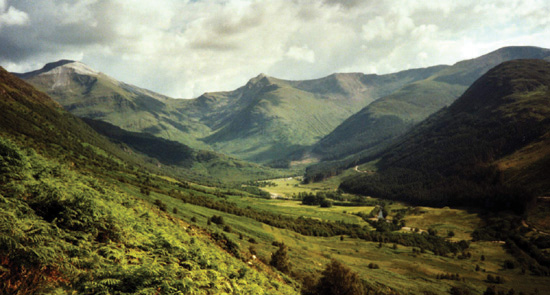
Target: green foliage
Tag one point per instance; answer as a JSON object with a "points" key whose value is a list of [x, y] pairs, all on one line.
{"points": [[63, 230], [339, 279], [280, 259]]}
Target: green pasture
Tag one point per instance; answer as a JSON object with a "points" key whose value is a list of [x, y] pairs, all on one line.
{"points": [[405, 271]]}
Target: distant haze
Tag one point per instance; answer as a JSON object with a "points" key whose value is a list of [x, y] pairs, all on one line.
{"points": [[184, 48]]}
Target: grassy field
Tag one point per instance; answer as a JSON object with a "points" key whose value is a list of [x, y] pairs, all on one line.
{"points": [[296, 209], [400, 268], [287, 187], [444, 220]]}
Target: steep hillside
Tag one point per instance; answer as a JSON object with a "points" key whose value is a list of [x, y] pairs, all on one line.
{"points": [[473, 151], [392, 115], [75, 217]]}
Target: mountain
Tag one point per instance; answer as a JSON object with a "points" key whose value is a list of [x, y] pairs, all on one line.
{"points": [[388, 117], [77, 218], [270, 118], [489, 148], [90, 94], [267, 119]]}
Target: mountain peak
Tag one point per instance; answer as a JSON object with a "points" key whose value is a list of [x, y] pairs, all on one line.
{"points": [[71, 66], [52, 65], [61, 66], [261, 80]]}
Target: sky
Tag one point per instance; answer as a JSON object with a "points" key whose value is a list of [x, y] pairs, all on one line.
{"points": [[185, 48]]}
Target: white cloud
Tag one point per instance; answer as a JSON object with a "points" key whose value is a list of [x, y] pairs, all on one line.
{"points": [[301, 54], [10, 16], [185, 48]]}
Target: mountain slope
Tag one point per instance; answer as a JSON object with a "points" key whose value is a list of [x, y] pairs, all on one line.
{"points": [[199, 164], [270, 118], [392, 115], [267, 119], [91, 94], [471, 152], [75, 218], [85, 92]]}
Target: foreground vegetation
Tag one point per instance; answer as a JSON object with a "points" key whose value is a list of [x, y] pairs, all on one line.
{"points": [[62, 231]]}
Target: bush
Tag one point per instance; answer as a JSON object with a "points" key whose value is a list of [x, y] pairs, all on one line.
{"points": [[337, 278], [217, 220], [280, 259]]}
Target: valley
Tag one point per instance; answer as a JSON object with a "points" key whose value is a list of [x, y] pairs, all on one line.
{"points": [[424, 181]]}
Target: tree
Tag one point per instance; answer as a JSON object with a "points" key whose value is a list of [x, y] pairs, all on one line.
{"points": [[325, 203], [280, 259], [338, 279]]}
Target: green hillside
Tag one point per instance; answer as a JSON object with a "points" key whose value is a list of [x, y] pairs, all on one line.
{"points": [[178, 158], [283, 117], [472, 152], [392, 115], [75, 217]]}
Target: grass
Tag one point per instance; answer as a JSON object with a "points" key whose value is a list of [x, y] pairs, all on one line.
{"points": [[461, 222], [401, 269], [296, 209]]}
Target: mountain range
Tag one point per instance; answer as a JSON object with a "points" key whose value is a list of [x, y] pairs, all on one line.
{"points": [[270, 120], [391, 115], [266, 120], [76, 215], [374, 127]]}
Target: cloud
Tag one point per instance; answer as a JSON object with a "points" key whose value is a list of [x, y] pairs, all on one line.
{"points": [[184, 48], [10, 16], [301, 54]]}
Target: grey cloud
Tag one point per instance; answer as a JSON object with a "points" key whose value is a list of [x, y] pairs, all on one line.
{"points": [[197, 46], [51, 30]]}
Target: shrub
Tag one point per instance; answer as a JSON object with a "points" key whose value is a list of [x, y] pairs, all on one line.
{"points": [[280, 259], [337, 278]]}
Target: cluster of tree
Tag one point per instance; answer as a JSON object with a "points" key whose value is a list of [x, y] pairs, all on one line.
{"points": [[338, 278], [493, 290], [383, 225], [319, 199], [217, 219], [280, 259]]}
